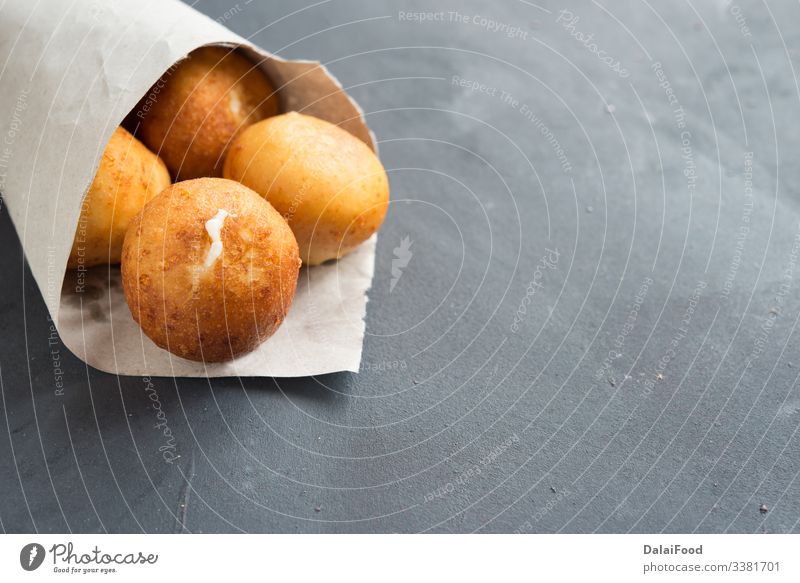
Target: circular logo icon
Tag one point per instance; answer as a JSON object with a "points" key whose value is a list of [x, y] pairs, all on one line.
{"points": [[31, 556]]}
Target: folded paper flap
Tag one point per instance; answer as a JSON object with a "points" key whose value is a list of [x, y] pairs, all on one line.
{"points": [[322, 333], [72, 75], [309, 88]]}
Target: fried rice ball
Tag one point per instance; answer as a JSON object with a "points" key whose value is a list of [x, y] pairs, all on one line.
{"points": [[329, 185], [209, 269], [193, 112], [129, 175]]}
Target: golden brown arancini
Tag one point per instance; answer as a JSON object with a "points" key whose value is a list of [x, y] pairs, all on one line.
{"points": [[209, 269], [128, 176], [330, 187], [193, 112]]}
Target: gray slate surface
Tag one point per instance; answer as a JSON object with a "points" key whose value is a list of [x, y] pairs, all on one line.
{"points": [[461, 421]]}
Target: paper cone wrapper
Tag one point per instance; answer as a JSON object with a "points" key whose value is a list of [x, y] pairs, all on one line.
{"points": [[70, 74]]}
